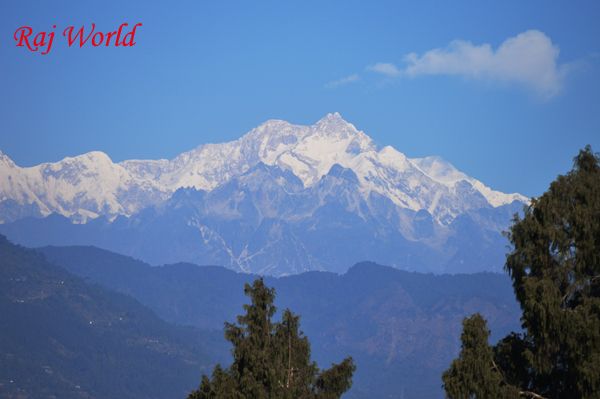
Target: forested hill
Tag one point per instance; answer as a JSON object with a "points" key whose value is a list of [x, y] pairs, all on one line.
{"points": [[402, 328], [64, 338]]}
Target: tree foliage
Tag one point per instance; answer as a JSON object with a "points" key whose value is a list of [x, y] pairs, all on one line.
{"points": [[474, 373], [271, 360], [555, 269]]}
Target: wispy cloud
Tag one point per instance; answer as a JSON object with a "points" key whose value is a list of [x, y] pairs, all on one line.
{"points": [[385, 68], [529, 59], [343, 81]]}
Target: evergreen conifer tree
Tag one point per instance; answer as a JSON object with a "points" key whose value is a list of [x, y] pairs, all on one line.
{"points": [[474, 373], [555, 270], [271, 360]]}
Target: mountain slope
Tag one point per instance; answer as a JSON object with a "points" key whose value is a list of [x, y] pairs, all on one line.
{"points": [[265, 221], [64, 338], [401, 328]]}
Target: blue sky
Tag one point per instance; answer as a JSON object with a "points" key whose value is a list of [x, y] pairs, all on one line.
{"points": [[506, 91]]}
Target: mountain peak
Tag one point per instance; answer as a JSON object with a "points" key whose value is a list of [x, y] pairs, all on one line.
{"points": [[273, 123], [332, 116], [332, 124], [5, 159], [274, 130], [97, 156], [308, 151], [334, 121], [89, 158]]}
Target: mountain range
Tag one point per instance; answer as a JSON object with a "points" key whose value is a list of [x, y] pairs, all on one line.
{"points": [[402, 328], [81, 322], [282, 199]]}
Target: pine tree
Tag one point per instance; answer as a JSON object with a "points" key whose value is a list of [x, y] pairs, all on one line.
{"points": [[555, 270], [474, 373], [271, 360]]}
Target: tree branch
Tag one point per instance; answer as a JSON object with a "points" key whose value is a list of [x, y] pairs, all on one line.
{"points": [[521, 393], [531, 394]]}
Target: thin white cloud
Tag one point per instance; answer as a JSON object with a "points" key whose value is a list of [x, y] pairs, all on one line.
{"points": [[529, 59], [385, 68], [343, 81]]}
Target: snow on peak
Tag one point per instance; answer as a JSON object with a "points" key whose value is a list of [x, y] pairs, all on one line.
{"points": [[92, 159], [318, 147], [6, 161], [91, 184], [308, 151], [445, 173], [335, 121], [97, 156], [334, 125], [332, 116], [439, 170]]}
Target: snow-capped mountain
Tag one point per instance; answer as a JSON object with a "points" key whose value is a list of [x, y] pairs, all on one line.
{"points": [[282, 199], [81, 188], [90, 185]]}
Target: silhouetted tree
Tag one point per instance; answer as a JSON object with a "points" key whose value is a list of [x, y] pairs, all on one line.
{"points": [[272, 360], [555, 270]]}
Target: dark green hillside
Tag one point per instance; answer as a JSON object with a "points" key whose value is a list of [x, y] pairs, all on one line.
{"points": [[64, 338]]}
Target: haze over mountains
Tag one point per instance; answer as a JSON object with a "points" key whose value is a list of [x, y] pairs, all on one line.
{"points": [[401, 328], [79, 322], [282, 199]]}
